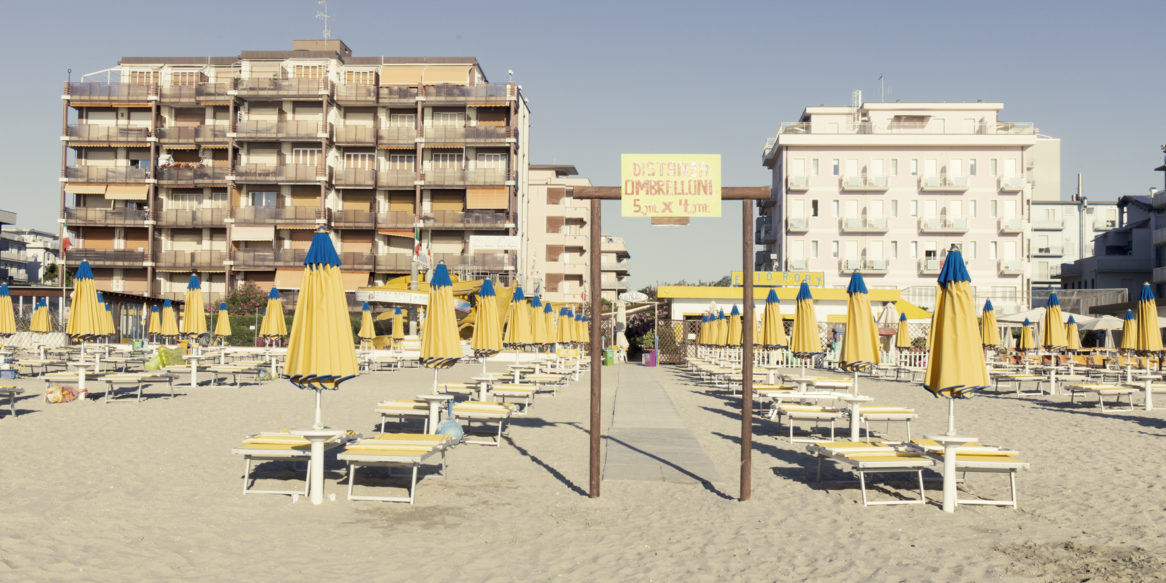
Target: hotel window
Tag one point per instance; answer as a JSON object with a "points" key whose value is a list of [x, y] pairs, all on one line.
{"points": [[185, 78], [178, 200], [266, 199], [834, 209], [895, 208], [798, 168], [813, 208], [834, 165], [449, 119], [992, 250], [494, 160], [894, 249], [305, 156], [994, 210], [143, 77], [360, 160], [402, 161], [834, 249], [814, 249], [992, 167], [814, 167], [971, 250], [448, 160], [914, 208], [219, 199], [914, 249], [914, 166], [972, 167], [360, 77]]}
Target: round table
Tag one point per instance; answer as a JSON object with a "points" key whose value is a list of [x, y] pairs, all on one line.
{"points": [[435, 402]]}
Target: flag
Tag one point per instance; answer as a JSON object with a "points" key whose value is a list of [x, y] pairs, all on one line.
{"points": [[65, 244]]}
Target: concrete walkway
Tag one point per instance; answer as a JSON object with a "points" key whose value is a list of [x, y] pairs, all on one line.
{"points": [[647, 440]]}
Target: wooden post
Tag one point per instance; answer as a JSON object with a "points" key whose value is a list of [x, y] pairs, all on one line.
{"points": [[747, 325], [596, 346]]}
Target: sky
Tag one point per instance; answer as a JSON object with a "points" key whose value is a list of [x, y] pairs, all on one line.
{"points": [[606, 77]]}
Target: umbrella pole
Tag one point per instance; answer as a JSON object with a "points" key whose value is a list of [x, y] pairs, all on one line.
{"points": [[435, 380], [854, 385], [951, 416], [318, 424]]}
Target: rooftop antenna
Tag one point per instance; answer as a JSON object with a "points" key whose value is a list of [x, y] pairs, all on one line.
{"points": [[882, 89], [323, 15]]}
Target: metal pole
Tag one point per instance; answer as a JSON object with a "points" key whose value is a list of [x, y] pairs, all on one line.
{"points": [[747, 324], [596, 330]]}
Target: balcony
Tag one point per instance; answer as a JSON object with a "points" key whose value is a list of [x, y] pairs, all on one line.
{"points": [[397, 135], [943, 225], [353, 219], [494, 93], [391, 178], [614, 285], [616, 266], [193, 218], [289, 215], [283, 88], [864, 225], [192, 175], [106, 258], [1010, 226], [1070, 270], [281, 130], [357, 260], [930, 266], [489, 134], [443, 134], [1102, 224], [849, 265], [876, 265], [266, 259], [104, 217], [291, 173], [475, 219], [356, 178], [176, 134], [1159, 275], [113, 174], [1011, 183], [1047, 224], [13, 256], [214, 93], [797, 224], [179, 95], [569, 211], [864, 184], [797, 183], [397, 95], [566, 239], [395, 220], [444, 177], [352, 94], [109, 94], [393, 262], [190, 260], [943, 184], [796, 264], [488, 176], [352, 135], [1011, 267], [476, 261], [1122, 264], [564, 268], [1050, 251], [107, 134]]}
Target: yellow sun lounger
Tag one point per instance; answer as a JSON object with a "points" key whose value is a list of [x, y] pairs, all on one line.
{"points": [[481, 412], [391, 450], [459, 389], [282, 446], [976, 457], [401, 409], [868, 413], [1102, 391], [522, 394], [864, 458], [813, 413]]}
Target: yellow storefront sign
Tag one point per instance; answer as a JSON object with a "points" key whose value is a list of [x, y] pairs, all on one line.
{"points": [[670, 185], [782, 278]]}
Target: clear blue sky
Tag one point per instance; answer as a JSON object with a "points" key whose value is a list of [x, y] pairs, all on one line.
{"points": [[608, 77]]}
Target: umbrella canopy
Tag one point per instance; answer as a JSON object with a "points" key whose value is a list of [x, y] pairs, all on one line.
{"points": [[7, 315], [223, 321], [702, 332], [1103, 323], [169, 319], [366, 331], [193, 313], [734, 331], [581, 335], [565, 332], [1149, 334], [398, 324], [320, 350], [538, 324], [549, 319], [989, 330], [1052, 327], [1026, 341], [1129, 332], [860, 345], [40, 318], [273, 321], [773, 328], [109, 328], [439, 338], [518, 330], [902, 336], [1072, 336], [84, 317], [805, 337], [155, 326], [956, 367], [487, 338], [722, 329]]}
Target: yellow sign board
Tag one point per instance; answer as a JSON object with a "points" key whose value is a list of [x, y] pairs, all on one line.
{"points": [[670, 185], [782, 278]]}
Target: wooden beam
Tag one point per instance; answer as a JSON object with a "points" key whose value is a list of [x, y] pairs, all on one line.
{"points": [[596, 346]]}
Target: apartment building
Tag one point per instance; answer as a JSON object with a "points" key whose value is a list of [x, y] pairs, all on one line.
{"points": [[11, 259], [615, 267], [555, 235], [1063, 232], [886, 188], [225, 166], [28, 252], [1126, 256]]}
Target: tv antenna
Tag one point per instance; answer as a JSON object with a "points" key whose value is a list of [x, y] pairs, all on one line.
{"points": [[323, 15]]}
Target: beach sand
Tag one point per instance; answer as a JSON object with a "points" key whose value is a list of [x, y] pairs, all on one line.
{"points": [[150, 491]]}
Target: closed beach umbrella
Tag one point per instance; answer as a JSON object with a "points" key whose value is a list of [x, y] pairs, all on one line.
{"points": [[734, 336], [1072, 336], [565, 331], [1053, 326], [1129, 332], [366, 332], [109, 328], [773, 328], [517, 331], [549, 320], [273, 325], [84, 318], [860, 345], [1149, 334], [487, 338], [439, 338], [193, 313], [169, 320], [40, 318], [223, 321], [703, 332], [722, 329], [155, 326], [585, 328], [806, 340], [7, 315], [320, 350], [580, 336], [902, 335], [398, 325], [989, 330], [538, 324], [1026, 341]]}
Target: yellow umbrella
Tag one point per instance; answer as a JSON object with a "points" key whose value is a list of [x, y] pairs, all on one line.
{"points": [[989, 330], [398, 326], [487, 337], [40, 318], [1072, 336], [1129, 333], [758, 329], [860, 344], [273, 325], [538, 324], [902, 335], [366, 332], [169, 320], [7, 315], [109, 328], [1026, 341], [584, 329], [734, 328], [722, 329], [1149, 334], [223, 321], [439, 337], [702, 332], [805, 341], [106, 315], [773, 328], [517, 320], [84, 318], [193, 312], [1053, 327], [565, 332], [549, 319], [155, 326]]}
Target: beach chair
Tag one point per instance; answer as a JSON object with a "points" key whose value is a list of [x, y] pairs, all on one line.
{"points": [[115, 381], [279, 447], [485, 413], [876, 413], [974, 457], [812, 413], [510, 393], [1102, 391], [458, 389], [391, 450], [403, 409], [864, 457], [11, 391]]}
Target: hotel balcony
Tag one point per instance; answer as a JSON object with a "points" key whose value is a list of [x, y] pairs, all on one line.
{"points": [[397, 135], [357, 261], [396, 220], [106, 258], [397, 95], [487, 176], [109, 94], [104, 217], [444, 177], [564, 268], [569, 211], [353, 219], [489, 135], [943, 184], [290, 173], [442, 134], [1050, 251], [289, 215], [393, 262], [796, 264], [392, 178], [864, 225], [566, 240], [876, 265], [1010, 225], [354, 94], [353, 135], [624, 267], [846, 266], [473, 220], [179, 95], [267, 259], [930, 266], [614, 285], [479, 261], [355, 178], [190, 260], [212, 134], [797, 224], [797, 183], [214, 93], [108, 174], [106, 135], [1011, 267], [950, 226], [268, 131], [1045, 224], [493, 93], [283, 88], [1011, 184], [864, 184], [193, 218], [192, 176]]}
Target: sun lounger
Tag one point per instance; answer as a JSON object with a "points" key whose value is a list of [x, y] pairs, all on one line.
{"points": [[393, 450], [868, 413], [116, 381], [11, 391], [979, 458], [236, 373], [280, 446], [551, 381], [1102, 391], [459, 389], [480, 412], [813, 413], [1019, 380], [515, 394], [870, 458], [402, 409]]}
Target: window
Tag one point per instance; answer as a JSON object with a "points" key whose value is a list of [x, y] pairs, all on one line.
{"points": [[263, 198], [834, 249], [992, 250], [914, 208], [894, 166], [185, 78], [814, 249], [972, 209], [178, 200], [852, 166], [798, 168], [972, 167], [403, 120], [895, 208], [309, 71], [402, 161], [360, 77], [448, 160], [219, 198], [971, 247], [834, 209], [834, 164], [995, 212], [448, 119], [894, 249], [143, 77], [495, 160], [305, 156], [814, 167], [914, 249], [914, 166], [992, 167], [813, 208], [360, 160]]}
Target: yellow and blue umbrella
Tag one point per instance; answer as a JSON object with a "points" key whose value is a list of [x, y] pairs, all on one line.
{"points": [[584, 328], [549, 319], [1052, 327], [722, 329], [1129, 333], [902, 335], [366, 332], [320, 351], [440, 347], [989, 330], [860, 345], [106, 315], [518, 330], [564, 334], [773, 328], [1149, 334], [734, 328], [538, 324], [85, 319], [273, 325], [1072, 336], [703, 332], [956, 366], [193, 312], [7, 314], [155, 326], [1026, 340], [169, 320], [806, 341], [487, 337], [109, 328], [223, 321], [40, 318], [398, 326]]}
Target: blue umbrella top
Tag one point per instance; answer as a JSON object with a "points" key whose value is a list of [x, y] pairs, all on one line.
{"points": [[440, 277], [273, 294], [954, 269], [167, 304], [45, 303], [83, 271], [487, 289], [902, 317], [397, 310], [1071, 320], [100, 298], [1129, 315], [365, 307], [536, 302], [3, 290], [988, 306], [548, 309], [704, 318], [518, 295], [222, 306], [108, 308], [772, 297], [564, 311], [1053, 301], [1027, 323], [804, 292], [857, 284], [322, 252], [194, 283], [1146, 294], [155, 308], [735, 312]]}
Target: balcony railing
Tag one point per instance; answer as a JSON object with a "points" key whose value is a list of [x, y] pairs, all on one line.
{"points": [[1011, 267], [90, 132], [80, 216], [1048, 224], [876, 265], [213, 91], [1011, 225], [280, 130], [495, 92], [1121, 263], [357, 260], [402, 94], [106, 258], [943, 226], [849, 265], [475, 219], [287, 173], [1011, 183], [12, 256], [352, 219], [211, 134], [943, 184], [797, 224], [796, 264], [1050, 251], [488, 133], [797, 183], [620, 266], [189, 218], [110, 92], [176, 134], [198, 175], [864, 225], [352, 93], [396, 219], [283, 88], [352, 134], [397, 135], [393, 262], [899, 127], [360, 177], [444, 134], [262, 259], [116, 174], [190, 260], [864, 183], [486, 176], [302, 215], [179, 94], [389, 178], [442, 176], [483, 261], [930, 266]]}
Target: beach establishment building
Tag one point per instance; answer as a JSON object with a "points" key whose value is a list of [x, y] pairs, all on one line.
{"points": [[555, 235], [615, 267], [885, 189], [225, 166]]}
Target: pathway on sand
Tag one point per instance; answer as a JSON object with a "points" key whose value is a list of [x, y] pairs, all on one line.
{"points": [[647, 439]]}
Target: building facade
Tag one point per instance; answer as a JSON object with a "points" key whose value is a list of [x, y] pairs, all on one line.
{"points": [[615, 268], [1123, 257], [1063, 232], [30, 251], [225, 166], [555, 235], [885, 189]]}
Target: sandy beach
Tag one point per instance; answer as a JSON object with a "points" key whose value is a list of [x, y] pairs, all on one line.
{"points": [[151, 491]]}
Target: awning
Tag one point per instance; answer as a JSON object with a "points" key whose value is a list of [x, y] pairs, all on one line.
{"points": [[489, 104], [180, 146], [253, 233], [85, 188], [293, 279], [127, 191], [297, 227], [408, 233], [443, 146], [395, 146], [214, 146]]}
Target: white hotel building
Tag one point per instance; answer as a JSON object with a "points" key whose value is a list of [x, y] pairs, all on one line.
{"points": [[886, 188]]}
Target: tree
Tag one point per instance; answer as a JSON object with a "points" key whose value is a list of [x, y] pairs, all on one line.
{"points": [[51, 275], [246, 300]]}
